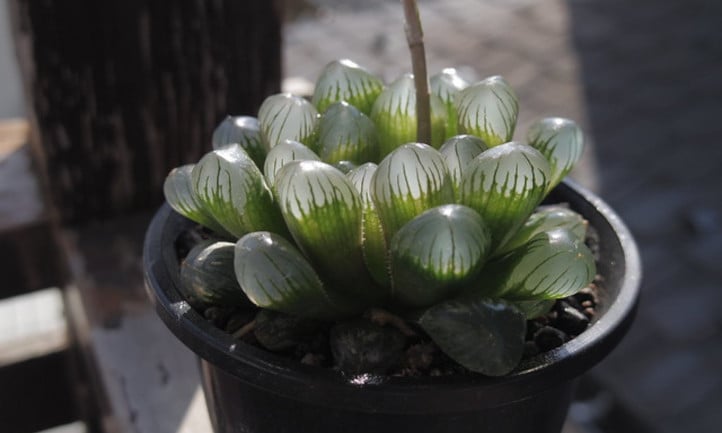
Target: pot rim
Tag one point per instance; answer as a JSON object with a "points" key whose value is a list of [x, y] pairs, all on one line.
{"points": [[396, 394]]}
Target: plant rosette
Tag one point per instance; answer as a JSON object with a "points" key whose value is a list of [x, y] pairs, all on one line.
{"points": [[325, 219]]}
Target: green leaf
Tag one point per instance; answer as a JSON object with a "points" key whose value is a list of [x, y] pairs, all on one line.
{"points": [[505, 184], [535, 307], [561, 141], [483, 335], [243, 131], [344, 80], [489, 110], [207, 276], [373, 242], [446, 85], [230, 187], [437, 252], [545, 219], [178, 191], [552, 265], [284, 153], [458, 151], [276, 276], [323, 212], [410, 180], [346, 134], [287, 117], [394, 114]]}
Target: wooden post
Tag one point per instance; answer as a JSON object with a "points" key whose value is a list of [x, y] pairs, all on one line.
{"points": [[120, 91]]}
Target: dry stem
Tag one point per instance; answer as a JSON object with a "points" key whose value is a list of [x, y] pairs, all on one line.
{"points": [[415, 38]]}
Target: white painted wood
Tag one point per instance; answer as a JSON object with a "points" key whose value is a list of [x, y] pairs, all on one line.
{"points": [[74, 427], [151, 380], [32, 325]]}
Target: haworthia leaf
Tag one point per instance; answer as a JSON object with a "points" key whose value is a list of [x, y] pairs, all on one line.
{"points": [[554, 264], [545, 219], [561, 141], [178, 191], [275, 275], [284, 153], [287, 117], [483, 335], [373, 242], [323, 212], [504, 184], [344, 80], [435, 253], [446, 85], [244, 131], [394, 114], [535, 307], [230, 187], [488, 109], [410, 180], [207, 276], [346, 134], [458, 151]]}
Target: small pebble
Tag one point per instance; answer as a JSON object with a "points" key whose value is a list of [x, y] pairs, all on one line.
{"points": [[239, 319], [530, 349], [219, 316], [571, 320], [571, 301], [532, 327], [584, 295], [314, 359], [547, 338], [359, 346], [420, 356]]}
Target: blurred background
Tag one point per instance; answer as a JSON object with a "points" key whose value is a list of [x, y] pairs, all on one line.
{"points": [[99, 101]]}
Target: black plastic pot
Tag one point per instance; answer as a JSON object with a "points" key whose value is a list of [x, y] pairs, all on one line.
{"points": [[250, 390]]}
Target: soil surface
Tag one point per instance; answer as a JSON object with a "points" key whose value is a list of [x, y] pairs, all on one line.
{"points": [[404, 348]]}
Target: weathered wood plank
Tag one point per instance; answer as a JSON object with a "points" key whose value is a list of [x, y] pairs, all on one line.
{"points": [[120, 92], [32, 325]]}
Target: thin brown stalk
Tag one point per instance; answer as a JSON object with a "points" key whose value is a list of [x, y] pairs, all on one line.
{"points": [[415, 39], [382, 318], [244, 330]]}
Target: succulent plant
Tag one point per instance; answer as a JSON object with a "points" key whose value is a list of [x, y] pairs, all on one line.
{"points": [[325, 210]]}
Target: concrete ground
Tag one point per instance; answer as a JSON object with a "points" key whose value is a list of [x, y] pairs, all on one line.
{"points": [[644, 79]]}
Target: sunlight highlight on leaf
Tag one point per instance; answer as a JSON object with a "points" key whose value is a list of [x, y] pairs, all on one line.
{"points": [[346, 134], [287, 117], [489, 110], [505, 184], [243, 131], [434, 254], [323, 212], [561, 141], [344, 80], [410, 180], [274, 275], [231, 188], [394, 114], [178, 191]]}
